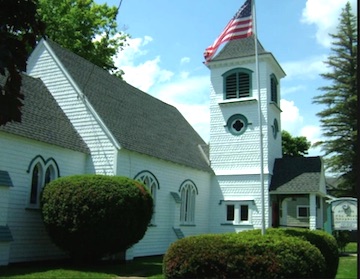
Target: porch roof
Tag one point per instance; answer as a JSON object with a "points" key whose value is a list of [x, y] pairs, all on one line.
{"points": [[296, 175]]}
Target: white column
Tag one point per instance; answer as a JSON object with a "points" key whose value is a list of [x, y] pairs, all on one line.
{"points": [[312, 217]]}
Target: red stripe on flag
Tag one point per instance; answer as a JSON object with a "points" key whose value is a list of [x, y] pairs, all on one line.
{"points": [[239, 27]]}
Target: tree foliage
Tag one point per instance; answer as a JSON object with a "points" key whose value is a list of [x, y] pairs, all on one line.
{"points": [[19, 28], [91, 216], [339, 117], [86, 28], [294, 146]]}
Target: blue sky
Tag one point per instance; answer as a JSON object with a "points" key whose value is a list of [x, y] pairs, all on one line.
{"points": [[165, 53]]}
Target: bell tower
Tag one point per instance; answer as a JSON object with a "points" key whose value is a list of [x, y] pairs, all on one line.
{"points": [[235, 131]]}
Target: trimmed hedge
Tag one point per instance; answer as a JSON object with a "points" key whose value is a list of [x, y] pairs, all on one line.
{"points": [[91, 216], [325, 242], [322, 240], [243, 256]]}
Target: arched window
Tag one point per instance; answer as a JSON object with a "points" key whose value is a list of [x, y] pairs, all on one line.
{"points": [[237, 83], [150, 181], [188, 192], [35, 184], [42, 172], [274, 89], [49, 174]]}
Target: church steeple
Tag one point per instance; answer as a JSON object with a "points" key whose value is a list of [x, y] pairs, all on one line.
{"points": [[235, 125]]}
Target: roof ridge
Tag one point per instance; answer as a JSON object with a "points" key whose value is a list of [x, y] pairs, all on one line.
{"points": [[147, 125]]}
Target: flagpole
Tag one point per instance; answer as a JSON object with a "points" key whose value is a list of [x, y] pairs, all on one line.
{"points": [[260, 124]]}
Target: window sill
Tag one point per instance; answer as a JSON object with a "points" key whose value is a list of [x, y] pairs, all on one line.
{"points": [[187, 225], [236, 224], [237, 100], [32, 207], [275, 105]]}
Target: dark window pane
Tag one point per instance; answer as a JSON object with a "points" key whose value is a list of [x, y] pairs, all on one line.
{"points": [[273, 90], [303, 211], [230, 209], [34, 185], [244, 213]]}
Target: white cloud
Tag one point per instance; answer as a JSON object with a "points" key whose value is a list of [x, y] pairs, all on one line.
{"points": [[291, 120], [306, 69], [183, 89], [132, 51], [184, 60], [312, 134], [142, 75], [188, 93], [145, 75], [288, 90], [325, 15], [184, 75], [198, 115]]}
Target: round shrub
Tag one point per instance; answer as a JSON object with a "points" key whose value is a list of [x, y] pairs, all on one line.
{"points": [[325, 242], [91, 216], [242, 256]]}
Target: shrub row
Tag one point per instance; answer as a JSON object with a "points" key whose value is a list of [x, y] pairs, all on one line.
{"points": [[243, 255]]}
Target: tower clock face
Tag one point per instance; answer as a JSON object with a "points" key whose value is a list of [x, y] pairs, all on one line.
{"points": [[237, 124]]}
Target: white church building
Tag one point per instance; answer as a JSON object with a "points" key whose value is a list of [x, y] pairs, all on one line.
{"points": [[79, 119]]}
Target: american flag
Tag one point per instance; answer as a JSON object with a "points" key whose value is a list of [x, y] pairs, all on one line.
{"points": [[239, 27]]}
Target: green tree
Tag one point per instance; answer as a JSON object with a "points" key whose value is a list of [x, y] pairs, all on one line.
{"points": [[339, 117], [86, 28], [294, 146], [19, 28]]}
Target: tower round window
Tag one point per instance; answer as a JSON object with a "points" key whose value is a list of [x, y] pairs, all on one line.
{"points": [[237, 124]]}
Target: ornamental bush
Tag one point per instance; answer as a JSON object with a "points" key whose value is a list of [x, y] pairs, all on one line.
{"points": [[91, 216], [322, 240], [243, 256]]}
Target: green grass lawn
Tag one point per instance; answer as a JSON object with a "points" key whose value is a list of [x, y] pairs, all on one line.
{"points": [[347, 267], [351, 247], [348, 264], [150, 267]]}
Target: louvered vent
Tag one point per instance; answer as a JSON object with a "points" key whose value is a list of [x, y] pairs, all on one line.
{"points": [[231, 86], [244, 85], [273, 90], [237, 85]]}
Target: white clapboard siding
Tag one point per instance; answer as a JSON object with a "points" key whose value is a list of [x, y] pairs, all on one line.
{"points": [[44, 64], [170, 177], [30, 238]]}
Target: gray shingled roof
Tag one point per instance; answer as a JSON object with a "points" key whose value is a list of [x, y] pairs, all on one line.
{"points": [[42, 119], [239, 48], [137, 120], [296, 175]]}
